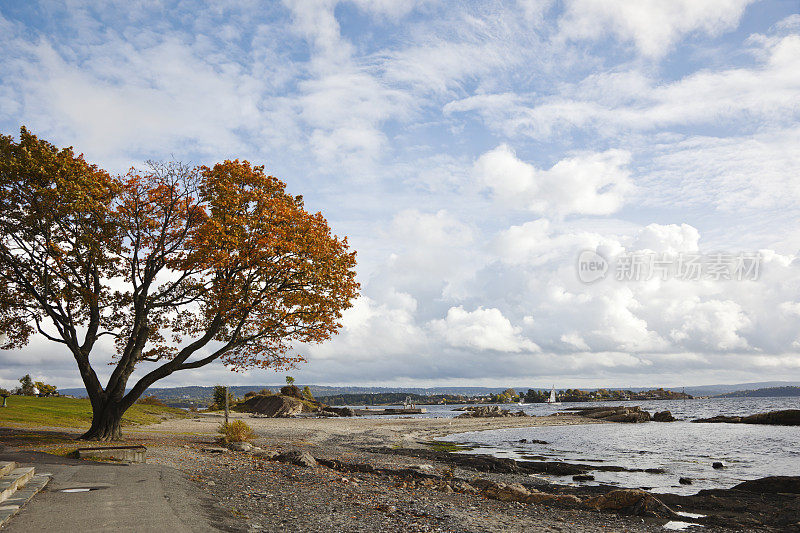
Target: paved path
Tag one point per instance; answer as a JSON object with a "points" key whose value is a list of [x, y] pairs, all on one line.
{"points": [[139, 497]]}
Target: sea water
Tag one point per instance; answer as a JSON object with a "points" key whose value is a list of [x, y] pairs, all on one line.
{"points": [[681, 448]]}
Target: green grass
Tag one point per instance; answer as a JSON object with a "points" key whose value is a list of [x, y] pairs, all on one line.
{"points": [[75, 412]]}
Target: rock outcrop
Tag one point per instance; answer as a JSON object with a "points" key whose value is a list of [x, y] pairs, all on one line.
{"points": [[488, 411], [772, 485], [276, 406], [337, 411], [631, 501], [663, 416], [615, 414], [788, 417]]}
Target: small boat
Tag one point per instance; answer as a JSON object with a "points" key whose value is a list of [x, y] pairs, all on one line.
{"points": [[553, 400]]}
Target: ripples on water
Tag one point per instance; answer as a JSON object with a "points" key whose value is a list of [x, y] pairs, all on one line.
{"points": [[683, 449]]}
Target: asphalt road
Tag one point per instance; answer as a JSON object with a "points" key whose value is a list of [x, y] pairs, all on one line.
{"points": [[137, 497]]}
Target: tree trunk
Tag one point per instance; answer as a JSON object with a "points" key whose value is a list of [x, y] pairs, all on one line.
{"points": [[106, 422]]}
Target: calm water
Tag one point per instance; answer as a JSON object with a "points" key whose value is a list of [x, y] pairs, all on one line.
{"points": [[681, 448]]}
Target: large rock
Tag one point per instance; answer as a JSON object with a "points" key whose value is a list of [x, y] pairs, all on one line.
{"points": [[663, 416], [297, 457], [788, 417], [772, 485], [276, 406], [630, 501], [511, 492]]}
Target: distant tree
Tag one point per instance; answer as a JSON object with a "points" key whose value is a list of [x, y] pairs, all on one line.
{"points": [[307, 393], [26, 386], [218, 397], [289, 380], [45, 389], [180, 266], [250, 394], [151, 400]]}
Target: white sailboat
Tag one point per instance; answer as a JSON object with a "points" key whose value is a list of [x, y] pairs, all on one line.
{"points": [[553, 400]]}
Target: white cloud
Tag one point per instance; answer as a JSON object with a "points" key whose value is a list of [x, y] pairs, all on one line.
{"points": [[481, 329], [652, 25], [589, 184], [610, 103]]}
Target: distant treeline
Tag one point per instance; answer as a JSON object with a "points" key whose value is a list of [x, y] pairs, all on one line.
{"points": [[761, 393], [390, 398]]}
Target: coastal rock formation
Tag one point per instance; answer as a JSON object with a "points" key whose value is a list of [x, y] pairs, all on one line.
{"points": [[487, 411], [788, 417], [772, 485], [516, 492], [615, 414], [663, 416], [276, 406], [630, 501], [337, 411]]}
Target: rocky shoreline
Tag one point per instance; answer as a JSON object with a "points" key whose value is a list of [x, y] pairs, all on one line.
{"points": [[356, 475]]}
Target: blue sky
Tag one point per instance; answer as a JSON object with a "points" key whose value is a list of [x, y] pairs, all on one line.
{"points": [[470, 151]]}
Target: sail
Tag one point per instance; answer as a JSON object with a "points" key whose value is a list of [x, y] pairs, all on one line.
{"points": [[552, 396]]}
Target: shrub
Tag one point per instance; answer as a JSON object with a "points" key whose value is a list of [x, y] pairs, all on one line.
{"points": [[248, 395], [291, 390], [151, 400], [236, 431]]}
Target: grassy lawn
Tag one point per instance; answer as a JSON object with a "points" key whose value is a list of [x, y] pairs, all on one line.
{"points": [[74, 412]]}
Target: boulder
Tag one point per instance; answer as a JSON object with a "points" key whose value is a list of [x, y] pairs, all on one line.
{"points": [[511, 492], [771, 485], [297, 457], [716, 465], [663, 416], [275, 406], [240, 446], [630, 501], [583, 477], [685, 481]]}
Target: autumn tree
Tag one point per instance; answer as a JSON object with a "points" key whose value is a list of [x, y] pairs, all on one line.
{"points": [[179, 266]]}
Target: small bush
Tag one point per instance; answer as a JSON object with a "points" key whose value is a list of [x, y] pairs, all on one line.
{"points": [[236, 431], [151, 400], [248, 395], [291, 390]]}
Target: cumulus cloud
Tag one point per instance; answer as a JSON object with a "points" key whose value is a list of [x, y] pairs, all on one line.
{"points": [[481, 329], [588, 184], [399, 120]]}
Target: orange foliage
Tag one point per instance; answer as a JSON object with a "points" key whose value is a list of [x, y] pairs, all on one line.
{"points": [[172, 262]]}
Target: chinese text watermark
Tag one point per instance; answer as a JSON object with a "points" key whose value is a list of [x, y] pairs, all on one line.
{"points": [[684, 266]]}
